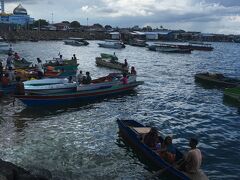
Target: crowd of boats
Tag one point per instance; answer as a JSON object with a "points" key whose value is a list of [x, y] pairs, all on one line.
{"points": [[59, 82], [161, 47]]}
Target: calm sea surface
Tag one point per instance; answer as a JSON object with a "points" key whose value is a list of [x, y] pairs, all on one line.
{"points": [[82, 142]]}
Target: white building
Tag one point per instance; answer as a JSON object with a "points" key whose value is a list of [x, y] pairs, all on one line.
{"points": [[115, 35]]}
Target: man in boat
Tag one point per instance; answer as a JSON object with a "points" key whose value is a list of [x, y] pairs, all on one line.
{"points": [[80, 77], [193, 158], [133, 71], [74, 57], [125, 63], [40, 69], [87, 79], [9, 61]]}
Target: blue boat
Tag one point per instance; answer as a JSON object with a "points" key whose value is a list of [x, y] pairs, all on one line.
{"points": [[76, 97], [129, 131]]}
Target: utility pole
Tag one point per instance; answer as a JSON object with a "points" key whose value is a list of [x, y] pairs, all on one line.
{"points": [[87, 21]]}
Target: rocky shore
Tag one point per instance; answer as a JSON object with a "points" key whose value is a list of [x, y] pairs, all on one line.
{"points": [[35, 35], [9, 171]]}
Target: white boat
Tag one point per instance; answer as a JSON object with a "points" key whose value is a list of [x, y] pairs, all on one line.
{"points": [[76, 42], [49, 86], [53, 86], [5, 47], [169, 48], [105, 82], [112, 44]]}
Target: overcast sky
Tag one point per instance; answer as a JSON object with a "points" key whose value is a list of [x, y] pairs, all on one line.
{"points": [[217, 16]]}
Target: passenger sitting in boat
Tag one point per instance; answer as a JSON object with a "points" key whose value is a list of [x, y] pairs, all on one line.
{"points": [[74, 57], [5, 80], [87, 79], [193, 158], [70, 79], [133, 71], [151, 139], [80, 77], [19, 90], [124, 79], [168, 151], [16, 56]]}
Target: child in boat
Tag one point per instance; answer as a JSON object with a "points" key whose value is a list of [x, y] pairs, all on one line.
{"points": [[168, 151], [124, 79]]}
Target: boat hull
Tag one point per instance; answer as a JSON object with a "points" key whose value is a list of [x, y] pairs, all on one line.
{"points": [[150, 157], [76, 97], [216, 80], [108, 64], [233, 94]]}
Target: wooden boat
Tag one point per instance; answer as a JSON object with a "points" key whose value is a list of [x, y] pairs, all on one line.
{"points": [[109, 56], [49, 86], [75, 97], [138, 42], [216, 79], [201, 46], [105, 82], [60, 71], [132, 131], [233, 93], [21, 63], [112, 44], [169, 48], [76, 41], [55, 62], [111, 64]]}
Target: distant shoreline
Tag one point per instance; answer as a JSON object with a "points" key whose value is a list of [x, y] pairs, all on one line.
{"points": [[33, 35]]}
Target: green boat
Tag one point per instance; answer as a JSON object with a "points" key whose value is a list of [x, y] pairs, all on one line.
{"points": [[55, 62], [21, 63], [233, 93], [109, 56]]}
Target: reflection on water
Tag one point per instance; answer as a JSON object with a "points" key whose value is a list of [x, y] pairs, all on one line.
{"points": [[82, 141]]}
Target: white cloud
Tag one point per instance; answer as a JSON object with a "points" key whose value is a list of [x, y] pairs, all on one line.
{"points": [[204, 15]]}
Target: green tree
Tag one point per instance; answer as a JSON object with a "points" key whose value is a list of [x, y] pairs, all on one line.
{"points": [[40, 22], [75, 24]]}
